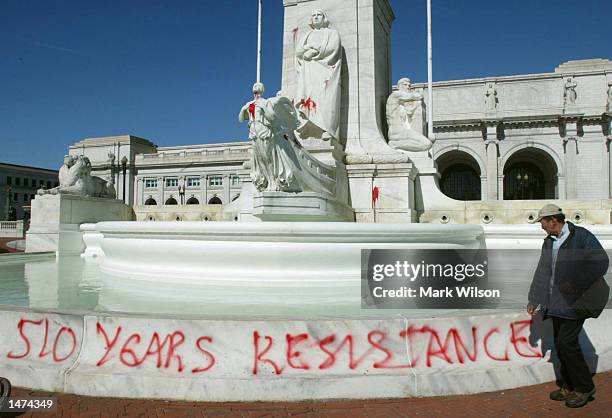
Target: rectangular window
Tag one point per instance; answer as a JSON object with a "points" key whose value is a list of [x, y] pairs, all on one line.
{"points": [[235, 180], [193, 182], [215, 181], [9, 180], [25, 197], [17, 181], [150, 183], [55, 184], [172, 182], [48, 185], [26, 183], [15, 197], [41, 183], [31, 197]]}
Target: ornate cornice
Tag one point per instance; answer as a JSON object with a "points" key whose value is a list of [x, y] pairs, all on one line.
{"points": [[520, 122]]}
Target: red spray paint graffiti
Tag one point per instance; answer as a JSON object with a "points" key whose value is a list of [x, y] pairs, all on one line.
{"points": [[410, 347]]}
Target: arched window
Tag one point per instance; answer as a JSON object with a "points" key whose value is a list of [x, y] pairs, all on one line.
{"points": [[215, 201], [171, 201], [460, 176], [193, 201], [530, 174], [461, 182], [150, 202]]}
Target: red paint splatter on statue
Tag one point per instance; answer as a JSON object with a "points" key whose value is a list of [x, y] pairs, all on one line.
{"points": [[252, 110], [310, 105]]}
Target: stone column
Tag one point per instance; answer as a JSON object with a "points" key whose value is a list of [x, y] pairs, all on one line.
{"points": [[138, 193], [492, 152], [560, 186], [160, 190], [570, 145], [483, 186], [226, 189], [500, 185]]}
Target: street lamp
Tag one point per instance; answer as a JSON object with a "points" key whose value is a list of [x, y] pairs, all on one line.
{"points": [[523, 182]]}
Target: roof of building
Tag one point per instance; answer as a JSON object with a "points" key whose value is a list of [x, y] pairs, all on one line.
{"points": [[28, 167]]}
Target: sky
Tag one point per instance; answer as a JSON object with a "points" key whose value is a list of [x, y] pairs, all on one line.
{"points": [[177, 71]]}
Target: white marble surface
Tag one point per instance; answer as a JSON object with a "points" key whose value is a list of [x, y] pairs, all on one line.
{"points": [[56, 218], [396, 184], [247, 257], [301, 207], [248, 360], [37, 349]]}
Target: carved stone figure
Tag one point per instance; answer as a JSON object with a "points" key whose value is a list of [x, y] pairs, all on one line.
{"points": [[75, 178], [279, 163], [609, 102], [569, 94], [318, 64], [401, 107], [491, 97]]}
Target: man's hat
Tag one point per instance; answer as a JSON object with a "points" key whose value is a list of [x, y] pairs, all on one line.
{"points": [[549, 210]]}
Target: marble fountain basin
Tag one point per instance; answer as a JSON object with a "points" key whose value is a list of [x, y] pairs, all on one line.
{"points": [[262, 311]]}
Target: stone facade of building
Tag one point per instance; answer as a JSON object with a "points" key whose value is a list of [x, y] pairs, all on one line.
{"points": [[18, 186], [503, 127]]}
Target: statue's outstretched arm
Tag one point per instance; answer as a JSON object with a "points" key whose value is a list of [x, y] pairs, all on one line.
{"points": [[243, 116]]}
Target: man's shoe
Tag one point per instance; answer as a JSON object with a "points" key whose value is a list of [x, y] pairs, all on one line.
{"points": [[560, 394], [579, 399]]}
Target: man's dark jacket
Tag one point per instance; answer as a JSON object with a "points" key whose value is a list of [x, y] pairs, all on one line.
{"points": [[581, 263]]}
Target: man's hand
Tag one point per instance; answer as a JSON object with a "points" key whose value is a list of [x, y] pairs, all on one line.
{"points": [[531, 310]]}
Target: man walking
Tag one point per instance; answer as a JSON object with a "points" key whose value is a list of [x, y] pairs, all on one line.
{"points": [[568, 286]]}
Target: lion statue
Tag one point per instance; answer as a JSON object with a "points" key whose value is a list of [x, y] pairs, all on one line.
{"points": [[75, 178]]}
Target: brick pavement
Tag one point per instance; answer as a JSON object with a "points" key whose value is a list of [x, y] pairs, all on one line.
{"points": [[531, 401]]}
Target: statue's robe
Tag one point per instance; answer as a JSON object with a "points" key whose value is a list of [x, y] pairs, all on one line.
{"points": [[318, 79]]}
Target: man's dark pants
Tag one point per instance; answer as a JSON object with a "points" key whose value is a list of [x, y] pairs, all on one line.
{"points": [[575, 373]]}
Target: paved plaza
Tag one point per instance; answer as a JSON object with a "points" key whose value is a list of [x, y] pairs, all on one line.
{"points": [[531, 401]]}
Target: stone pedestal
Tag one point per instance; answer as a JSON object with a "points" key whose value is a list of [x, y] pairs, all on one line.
{"points": [[396, 192], [56, 219], [300, 207]]}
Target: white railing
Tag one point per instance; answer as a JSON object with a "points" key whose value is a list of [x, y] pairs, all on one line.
{"points": [[11, 229]]}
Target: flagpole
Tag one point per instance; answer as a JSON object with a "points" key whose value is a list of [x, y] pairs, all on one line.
{"points": [[259, 44], [430, 133]]}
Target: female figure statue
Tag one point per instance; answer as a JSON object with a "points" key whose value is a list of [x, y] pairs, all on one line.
{"points": [[279, 162]]}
